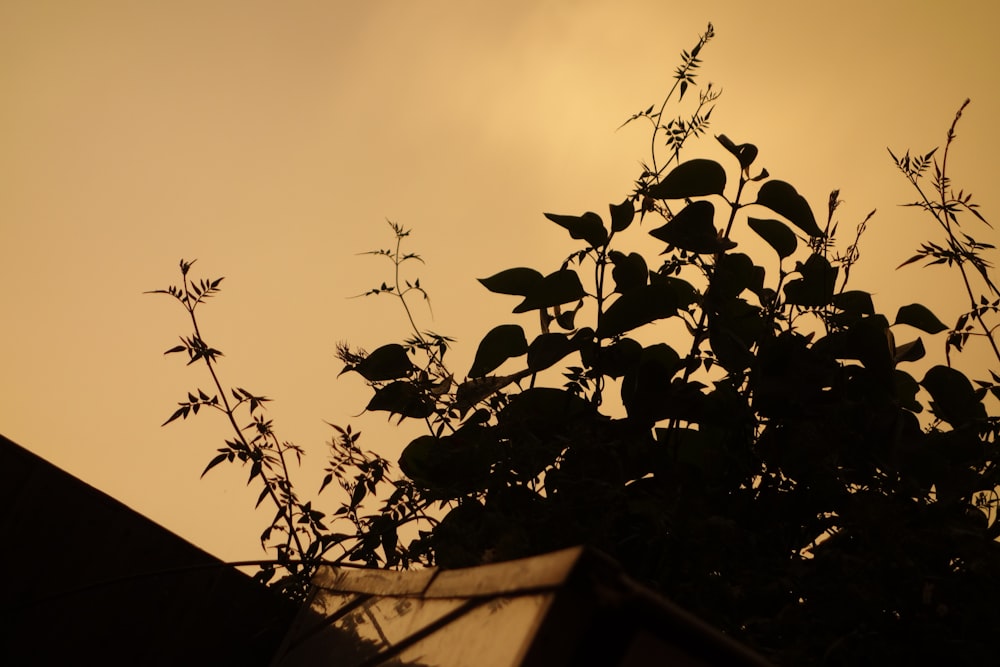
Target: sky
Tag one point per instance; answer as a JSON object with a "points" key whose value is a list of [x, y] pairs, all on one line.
{"points": [[271, 141]]}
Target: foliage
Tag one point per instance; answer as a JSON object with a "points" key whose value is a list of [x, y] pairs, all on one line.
{"points": [[740, 431], [300, 535]]}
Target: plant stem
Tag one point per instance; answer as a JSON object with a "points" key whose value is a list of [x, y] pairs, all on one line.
{"points": [[289, 519]]}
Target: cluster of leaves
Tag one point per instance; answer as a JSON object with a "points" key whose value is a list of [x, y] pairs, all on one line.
{"points": [[781, 473], [739, 430]]}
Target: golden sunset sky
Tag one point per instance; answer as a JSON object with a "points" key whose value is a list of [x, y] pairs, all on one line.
{"points": [[271, 140]]}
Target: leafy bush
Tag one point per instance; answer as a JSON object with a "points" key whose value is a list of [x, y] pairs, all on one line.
{"points": [[769, 464]]}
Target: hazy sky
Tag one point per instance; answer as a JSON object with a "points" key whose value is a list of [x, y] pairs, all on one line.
{"points": [[271, 140]]}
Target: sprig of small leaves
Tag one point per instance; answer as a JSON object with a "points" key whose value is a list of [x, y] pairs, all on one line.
{"points": [[959, 249], [254, 444], [679, 129]]}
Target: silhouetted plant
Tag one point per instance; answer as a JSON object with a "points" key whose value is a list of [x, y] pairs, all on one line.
{"points": [[770, 467], [300, 535]]}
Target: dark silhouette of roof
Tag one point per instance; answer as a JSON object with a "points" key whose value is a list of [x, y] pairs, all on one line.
{"points": [[89, 581]]}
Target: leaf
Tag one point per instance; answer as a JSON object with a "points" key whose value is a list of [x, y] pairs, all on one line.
{"points": [[915, 258], [733, 331], [588, 227], [629, 272], [636, 308], [735, 273], [389, 362], [648, 392], [544, 409], [390, 538], [619, 358], [867, 339], [745, 153], [214, 462], [912, 351], [694, 178], [920, 317], [547, 350], [472, 391], [255, 470], [451, 465], [683, 291], [776, 234], [782, 198], [621, 215], [954, 397], [518, 281], [179, 412], [358, 495], [855, 302], [326, 481], [693, 229], [662, 354], [401, 398], [815, 287], [555, 289], [498, 345], [906, 391], [566, 318]]}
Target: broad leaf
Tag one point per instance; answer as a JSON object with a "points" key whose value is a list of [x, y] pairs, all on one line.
{"points": [[547, 350], [519, 281], [693, 229], [815, 287], [662, 354], [855, 302], [452, 465], [745, 153], [535, 425], [733, 274], [498, 345], [389, 362], [777, 235], [954, 397], [588, 227], [629, 272], [733, 331], [401, 398], [554, 289], [906, 391], [920, 317], [782, 198], [684, 292], [694, 178], [912, 351], [475, 390], [417, 458], [622, 215], [542, 409], [618, 358], [651, 393], [566, 318], [866, 339], [636, 308]]}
